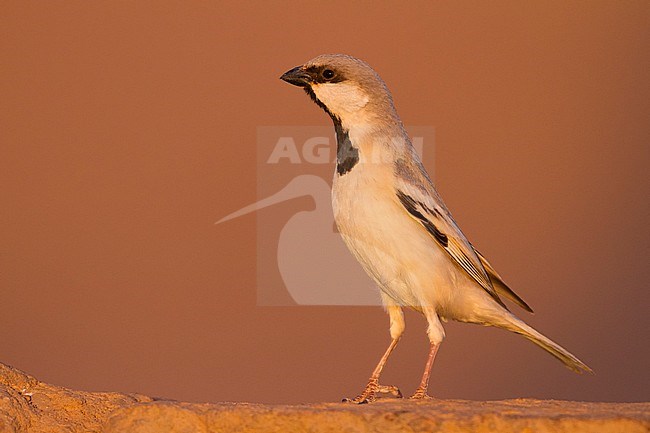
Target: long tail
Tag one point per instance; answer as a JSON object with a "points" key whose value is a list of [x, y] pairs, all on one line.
{"points": [[570, 360]]}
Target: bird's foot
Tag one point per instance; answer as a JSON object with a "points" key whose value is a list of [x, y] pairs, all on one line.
{"points": [[373, 391], [420, 394]]}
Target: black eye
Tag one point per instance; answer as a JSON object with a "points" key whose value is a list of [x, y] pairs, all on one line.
{"points": [[328, 74]]}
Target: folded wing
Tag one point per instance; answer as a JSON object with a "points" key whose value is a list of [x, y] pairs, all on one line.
{"points": [[436, 220]]}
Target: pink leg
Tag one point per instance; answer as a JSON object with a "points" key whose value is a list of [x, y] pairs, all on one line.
{"points": [[370, 392], [421, 392]]}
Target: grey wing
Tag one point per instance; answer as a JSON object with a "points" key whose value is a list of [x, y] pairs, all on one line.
{"points": [[436, 220]]}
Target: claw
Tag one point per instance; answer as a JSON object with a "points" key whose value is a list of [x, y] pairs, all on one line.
{"points": [[360, 399], [420, 394], [371, 392], [390, 389]]}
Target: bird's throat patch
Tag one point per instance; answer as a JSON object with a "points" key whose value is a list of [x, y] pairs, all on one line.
{"points": [[347, 156]]}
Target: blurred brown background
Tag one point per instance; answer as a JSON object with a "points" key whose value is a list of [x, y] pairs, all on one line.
{"points": [[128, 128]]}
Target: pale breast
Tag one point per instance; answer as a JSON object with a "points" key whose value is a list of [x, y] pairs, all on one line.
{"points": [[393, 249]]}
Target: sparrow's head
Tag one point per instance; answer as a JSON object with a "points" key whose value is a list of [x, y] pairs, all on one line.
{"points": [[344, 86]]}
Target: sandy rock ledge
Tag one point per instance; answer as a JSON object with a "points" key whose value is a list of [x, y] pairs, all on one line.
{"points": [[27, 405]]}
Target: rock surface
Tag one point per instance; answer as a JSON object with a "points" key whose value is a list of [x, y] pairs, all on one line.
{"points": [[27, 405]]}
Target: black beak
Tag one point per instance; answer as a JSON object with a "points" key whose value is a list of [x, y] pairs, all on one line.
{"points": [[297, 76]]}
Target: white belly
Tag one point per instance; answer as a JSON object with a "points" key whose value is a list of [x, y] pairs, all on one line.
{"points": [[405, 262]]}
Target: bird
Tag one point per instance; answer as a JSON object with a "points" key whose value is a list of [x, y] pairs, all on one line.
{"points": [[396, 224]]}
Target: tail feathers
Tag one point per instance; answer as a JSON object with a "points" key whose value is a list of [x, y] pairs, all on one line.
{"points": [[570, 360]]}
